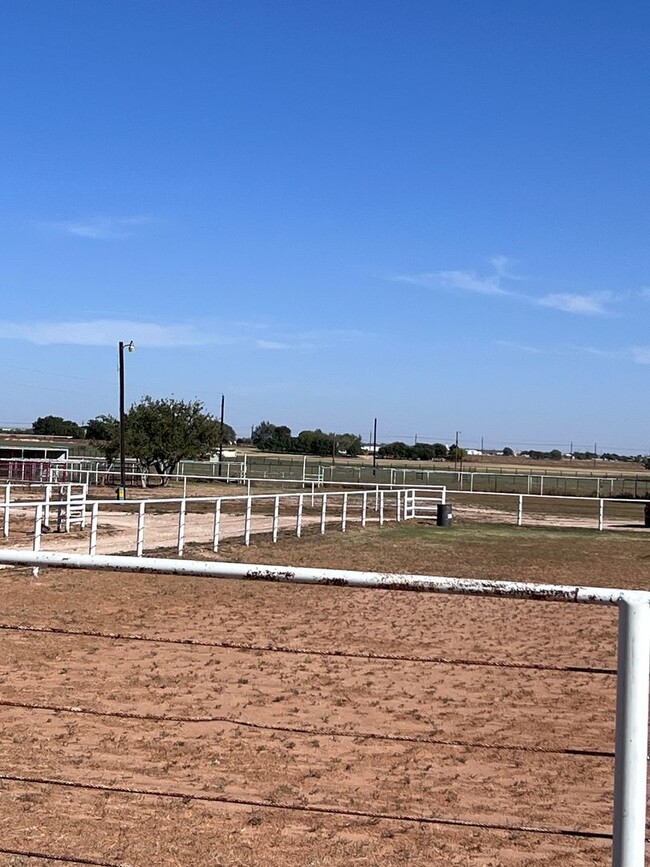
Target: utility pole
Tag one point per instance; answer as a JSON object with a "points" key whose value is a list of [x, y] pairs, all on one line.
{"points": [[121, 491], [374, 449], [456, 451], [223, 400]]}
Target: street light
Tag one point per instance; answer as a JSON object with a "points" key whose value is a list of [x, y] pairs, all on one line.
{"points": [[121, 491]]}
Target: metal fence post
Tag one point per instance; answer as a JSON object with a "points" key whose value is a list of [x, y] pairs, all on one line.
{"points": [[181, 528], [38, 529], [92, 543], [5, 527], [631, 762], [520, 511], [247, 520], [299, 516], [323, 513], [276, 518], [381, 508], [601, 513], [139, 541], [364, 508], [217, 525], [344, 512]]}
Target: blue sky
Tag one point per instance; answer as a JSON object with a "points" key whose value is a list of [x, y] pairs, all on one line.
{"points": [[435, 213]]}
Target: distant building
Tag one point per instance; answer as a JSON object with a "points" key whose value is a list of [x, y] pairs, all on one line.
{"points": [[33, 448]]}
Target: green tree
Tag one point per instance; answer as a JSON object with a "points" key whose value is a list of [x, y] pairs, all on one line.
{"points": [[56, 426], [423, 452], [161, 433], [555, 455], [507, 452], [101, 428], [440, 450], [398, 450], [456, 453], [269, 437], [352, 444]]}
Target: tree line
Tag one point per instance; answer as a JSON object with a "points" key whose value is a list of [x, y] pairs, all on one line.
{"points": [[269, 437]]}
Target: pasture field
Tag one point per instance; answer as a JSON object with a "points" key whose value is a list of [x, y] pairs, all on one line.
{"points": [[156, 720]]}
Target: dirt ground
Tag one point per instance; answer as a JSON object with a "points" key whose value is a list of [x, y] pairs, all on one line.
{"points": [[209, 722]]}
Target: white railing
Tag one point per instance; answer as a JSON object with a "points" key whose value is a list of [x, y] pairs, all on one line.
{"points": [[633, 666], [207, 520], [597, 506]]}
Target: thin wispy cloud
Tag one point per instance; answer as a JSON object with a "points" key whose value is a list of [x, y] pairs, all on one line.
{"points": [[496, 283], [109, 332], [521, 347], [105, 332], [465, 281], [640, 354], [584, 305], [635, 354], [101, 228], [310, 340], [272, 344]]}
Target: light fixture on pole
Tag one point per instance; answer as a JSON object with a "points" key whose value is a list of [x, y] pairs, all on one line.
{"points": [[121, 491]]}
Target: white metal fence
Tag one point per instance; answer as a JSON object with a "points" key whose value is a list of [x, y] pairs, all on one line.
{"points": [[173, 522], [633, 668], [598, 512]]}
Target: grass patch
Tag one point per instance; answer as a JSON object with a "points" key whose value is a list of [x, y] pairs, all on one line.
{"points": [[556, 555]]}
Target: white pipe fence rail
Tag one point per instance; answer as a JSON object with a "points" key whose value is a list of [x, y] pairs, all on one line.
{"points": [[245, 514], [633, 666], [595, 505]]}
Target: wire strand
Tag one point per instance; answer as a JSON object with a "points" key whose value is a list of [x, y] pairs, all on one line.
{"points": [[300, 730], [272, 648], [305, 808], [68, 859]]}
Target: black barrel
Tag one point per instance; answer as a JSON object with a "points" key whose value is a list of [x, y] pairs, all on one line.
{"points": [[444, 515]]}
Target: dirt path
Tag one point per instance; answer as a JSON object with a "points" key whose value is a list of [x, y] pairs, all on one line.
{"points": [[117, 531]]}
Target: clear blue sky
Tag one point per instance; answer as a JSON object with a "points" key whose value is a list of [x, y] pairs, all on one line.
{"points": [[436, 213]]}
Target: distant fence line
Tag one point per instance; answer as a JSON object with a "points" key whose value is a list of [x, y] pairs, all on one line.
{"points": [[260, 469]]}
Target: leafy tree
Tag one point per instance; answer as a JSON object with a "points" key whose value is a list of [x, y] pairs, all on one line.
{"points": [[56, 426], [507, 452], [229, 435], [456, 453], [398, 450], [263, 436], [348, 443], [161, 433], [101, 428], [423, 452], [269, 437], [440, 450], [555, 455], [312, 442]]}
